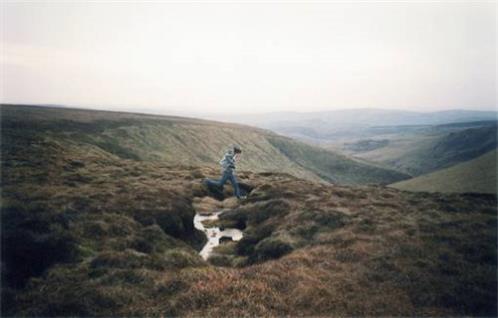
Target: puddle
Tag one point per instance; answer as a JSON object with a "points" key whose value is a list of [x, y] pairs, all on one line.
{"points": [[213, 233]]}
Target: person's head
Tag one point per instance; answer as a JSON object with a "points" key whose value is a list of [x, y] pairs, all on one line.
{"points": [[236, 149]]}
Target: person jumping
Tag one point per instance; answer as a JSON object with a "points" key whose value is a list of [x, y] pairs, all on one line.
{"points": [[228, 166]]}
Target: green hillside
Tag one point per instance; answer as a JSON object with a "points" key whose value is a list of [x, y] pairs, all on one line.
{"points": [[477, 175], [331, 166], [187, 141], [431, 148], [94, 227]]}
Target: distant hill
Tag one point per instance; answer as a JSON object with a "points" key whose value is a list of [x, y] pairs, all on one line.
{"points": [[186, 141], [331, 166], [429, 149], [95, 222], [334, 125], [477, 175], [414, 143]]}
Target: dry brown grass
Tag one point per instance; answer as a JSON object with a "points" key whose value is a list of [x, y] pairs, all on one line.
{"points": [[115, 237]]}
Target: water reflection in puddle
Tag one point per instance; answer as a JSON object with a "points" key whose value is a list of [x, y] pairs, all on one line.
{"points": [[214, 234]]}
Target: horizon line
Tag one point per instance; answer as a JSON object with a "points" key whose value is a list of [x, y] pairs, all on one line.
{"points": [[152, 111]]}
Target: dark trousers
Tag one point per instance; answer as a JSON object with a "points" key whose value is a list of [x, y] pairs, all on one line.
{"points": [[227, 175]]}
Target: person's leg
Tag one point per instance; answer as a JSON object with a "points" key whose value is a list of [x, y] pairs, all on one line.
{"points": [[218, 183], [235, 185]]}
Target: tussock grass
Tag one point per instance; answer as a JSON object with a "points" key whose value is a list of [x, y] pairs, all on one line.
{"points": [[87, 232]]}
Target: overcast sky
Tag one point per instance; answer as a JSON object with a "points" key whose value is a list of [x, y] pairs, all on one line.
{"points": [[207, 57]]}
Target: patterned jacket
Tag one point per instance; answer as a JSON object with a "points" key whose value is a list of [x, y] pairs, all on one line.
{"points": [[228, 161]]}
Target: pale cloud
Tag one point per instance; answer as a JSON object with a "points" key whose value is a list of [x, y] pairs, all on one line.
{"points": [[250, 57]]}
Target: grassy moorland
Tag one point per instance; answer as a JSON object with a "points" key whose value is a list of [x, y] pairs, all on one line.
{"points": [[186, 141], [429, 148], [477, 175], [86, 232], [411, 142]]}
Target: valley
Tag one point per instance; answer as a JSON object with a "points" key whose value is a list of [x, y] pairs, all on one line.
{"points": [[187, 141], [413, 143], [476, 175], [98, 212]]}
